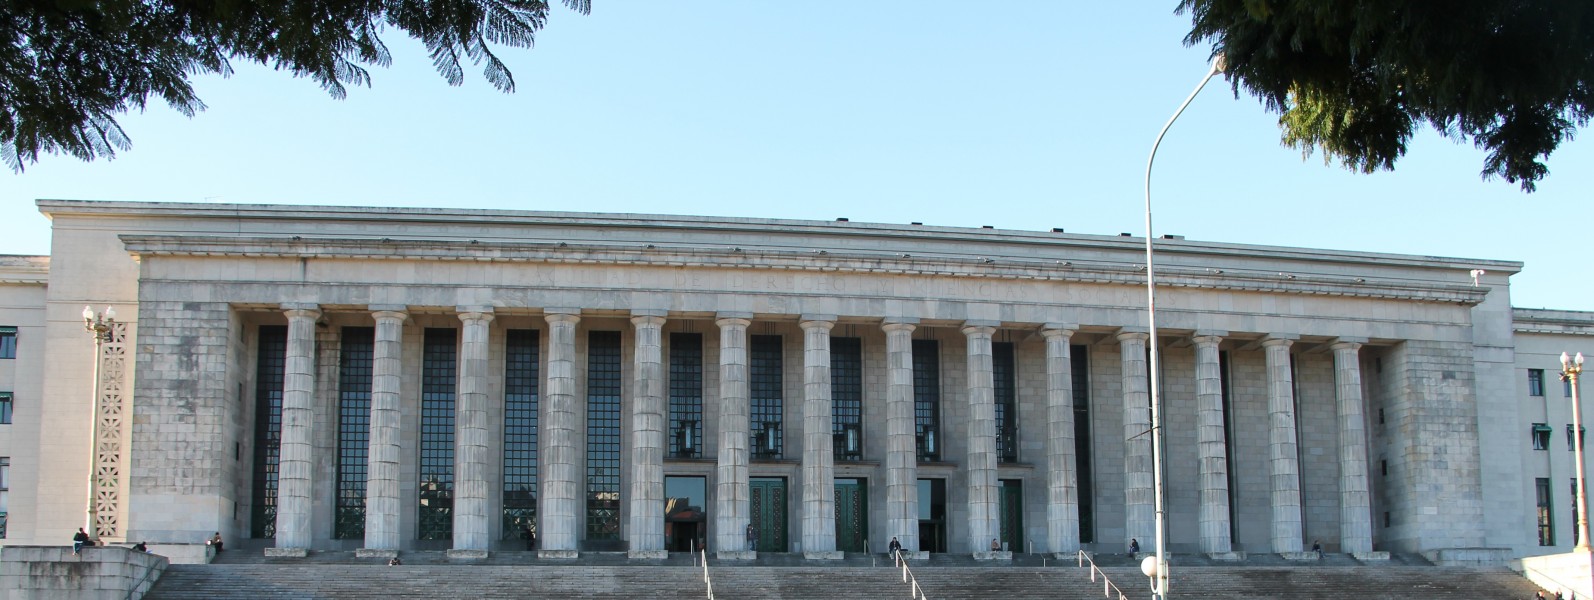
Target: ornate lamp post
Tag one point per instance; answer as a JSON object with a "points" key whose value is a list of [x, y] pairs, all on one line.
{"points": [[101, 326], [1159, 572], [1570, 369]]}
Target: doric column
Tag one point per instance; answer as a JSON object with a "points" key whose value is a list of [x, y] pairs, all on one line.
{"points": [[295, 461], [382, 507], [1139, 520], [1284, 469], [1211, 448], [984, 495], [470, 439], [1355, 507], [902, 474], [731, 511], [1062, 483], [561, 495], [647, 436], [819, 461]]}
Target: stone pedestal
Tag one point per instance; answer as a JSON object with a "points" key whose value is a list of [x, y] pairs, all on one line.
{"points": [[1370, 556], [287, 552], [1226, 556], [558, 554], [1307, 556], [997, 555]]}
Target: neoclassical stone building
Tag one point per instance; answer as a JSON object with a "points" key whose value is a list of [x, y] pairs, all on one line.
{"points": [[399, 379]]}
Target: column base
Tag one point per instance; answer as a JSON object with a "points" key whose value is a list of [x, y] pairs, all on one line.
{"points": [[375, 553], [647, 554], [736, 555], [558, 554], [1301, 556], [996, 555], [1226, 556], [915, 555], [465, 554], [1072, 555], [1370, 556], [832, 555], [287, 552]]}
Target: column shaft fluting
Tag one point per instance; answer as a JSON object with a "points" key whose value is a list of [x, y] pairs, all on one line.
{"points": [[1062, 481], [984, 495], [647, 436], [295, 459], [731, 511], [382, 481], [1139, 517], [1211, 447], [470, 440], [1355, 508], [561, 495], [1284, 469], [819, 466], [902, 485]]}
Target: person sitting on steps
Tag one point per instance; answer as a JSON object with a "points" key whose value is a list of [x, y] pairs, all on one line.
{"points": [[895, 547], [215, 542], [1134, 546]]}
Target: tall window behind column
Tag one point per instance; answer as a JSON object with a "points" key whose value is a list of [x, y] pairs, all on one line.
{"points": [[603, 435], [271, 364], [1005, 377], [927, 398], [439, 374], [1228, 445], [686, 395], [354, 430], [520, 433], [764, 395], [1079, 368], [846, 397]]}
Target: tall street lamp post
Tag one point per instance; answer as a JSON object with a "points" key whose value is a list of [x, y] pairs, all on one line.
{"points": [[1570, 369], [99, 325], [1159, 571]]}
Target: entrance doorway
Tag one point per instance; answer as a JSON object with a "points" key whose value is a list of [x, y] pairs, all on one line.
{"points": [[685, 521], [932, 515], [768, 506], [1012, 516], [852, 514]]}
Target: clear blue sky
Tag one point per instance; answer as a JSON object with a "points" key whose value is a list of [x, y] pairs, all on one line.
{"points": [[1021, 115]]}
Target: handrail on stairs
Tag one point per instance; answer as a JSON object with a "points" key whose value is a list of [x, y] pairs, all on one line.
{"points": [[1108, 589], [703, 554], [908, 578]]}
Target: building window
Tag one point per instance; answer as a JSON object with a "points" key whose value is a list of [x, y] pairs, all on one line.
{"points": [[846, 397], [271, 364], [5, 408], [927, 398], [8, 342], [1570, 444], [439, 376], [520, 434], [1535, 382], [764, 394], [603, 435], [686, 395], [356, 359], [1541, 436], [5, 493], [1546, 520], [1004, 377]]}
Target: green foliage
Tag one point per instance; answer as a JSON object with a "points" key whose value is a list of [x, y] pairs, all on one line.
{"points": [[69, 67], [1355, 78]]}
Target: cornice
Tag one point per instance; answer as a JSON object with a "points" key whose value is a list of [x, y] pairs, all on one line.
{"points": [[863, 262], [1562, 322]]}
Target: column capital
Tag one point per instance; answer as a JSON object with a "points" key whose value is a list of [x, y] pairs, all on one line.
{"points": [[1133, 333], [1279, 339], [301, 311], [650, 312], [396, 315], [892, 326], [809, 322], [1353, 343], [287, 306], [474, 315], [398, 308], [1204, 337], [562, 315], [733, 319], [1067, 330], [640, 321]]}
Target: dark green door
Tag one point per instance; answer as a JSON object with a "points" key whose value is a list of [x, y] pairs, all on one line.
{"points": [[1012, 521], [769, 513], [852, 514]]}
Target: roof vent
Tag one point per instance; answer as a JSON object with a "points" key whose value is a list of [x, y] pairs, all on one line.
{"points": [[841, 219], [1057, 230]]}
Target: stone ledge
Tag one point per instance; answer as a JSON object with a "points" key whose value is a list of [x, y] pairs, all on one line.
{"points": [[919, 555], [996, 555], [465, 554], [1468, 557], [558, 553], [648, 554], [1300, 556], [1072, 555], [287, 552], [375, 553], [1226, 556], [736, 555], [833, 555], [1370, 556]]}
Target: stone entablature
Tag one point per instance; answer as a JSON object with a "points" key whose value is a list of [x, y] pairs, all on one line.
{"points": [[1562, 322]]}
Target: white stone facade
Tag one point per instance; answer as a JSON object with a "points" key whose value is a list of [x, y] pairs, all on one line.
{"points": [[1372, 402]]}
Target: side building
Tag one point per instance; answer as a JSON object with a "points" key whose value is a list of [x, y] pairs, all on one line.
{"points": [[332, 378]]}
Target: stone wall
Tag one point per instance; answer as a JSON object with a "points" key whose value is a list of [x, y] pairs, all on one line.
{"points": [[99, 573], [1434, 487]]}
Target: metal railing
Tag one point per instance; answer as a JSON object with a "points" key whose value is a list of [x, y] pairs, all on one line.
{"points": [[908, 578], [703, 554], [1108, 589]]}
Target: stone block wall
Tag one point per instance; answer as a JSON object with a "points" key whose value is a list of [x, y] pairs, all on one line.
{"points": [[99, 573], [1433, 490]]}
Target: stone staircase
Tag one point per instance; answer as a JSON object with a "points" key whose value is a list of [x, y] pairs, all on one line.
{"points": [[336, 575]]}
